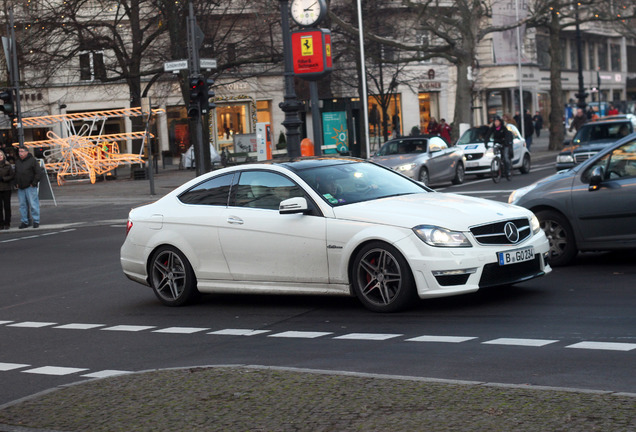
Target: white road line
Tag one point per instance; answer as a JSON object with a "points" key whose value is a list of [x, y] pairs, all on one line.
{"points": [[520, 342], [238, 332], [32, 324], [128, 328], [12, 366], [79, 326], [300, 334], [181, 330], [5, 322], [610, 346], [368, 336], [54, 370], [106, 373], [445, 339]]}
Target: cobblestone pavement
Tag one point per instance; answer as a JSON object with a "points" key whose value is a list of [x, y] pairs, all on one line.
{"points": [[272, 399]]}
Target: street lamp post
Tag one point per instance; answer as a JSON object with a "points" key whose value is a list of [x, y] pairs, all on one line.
{"points": [[581, 95], [290, 105]]}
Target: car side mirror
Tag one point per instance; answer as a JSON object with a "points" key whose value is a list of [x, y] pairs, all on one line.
{"points": [[596, 178], [293, 205]]}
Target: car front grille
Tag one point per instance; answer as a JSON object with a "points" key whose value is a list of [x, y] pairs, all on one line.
{"points": [[473, 156], [495, 233], [582, 157], [495, 274]]}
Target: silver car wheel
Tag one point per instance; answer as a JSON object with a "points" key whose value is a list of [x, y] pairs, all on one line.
{"points": [[423, 176], [171, 277], [560, 235]]}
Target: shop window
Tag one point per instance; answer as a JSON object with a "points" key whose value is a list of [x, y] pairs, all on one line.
{"points": [[231, 119], [178, 130], [602, 56], [543, 51], [378, 119], [264, 111]]}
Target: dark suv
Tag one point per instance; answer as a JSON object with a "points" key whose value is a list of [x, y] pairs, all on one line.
{"points": [[593, 137]]}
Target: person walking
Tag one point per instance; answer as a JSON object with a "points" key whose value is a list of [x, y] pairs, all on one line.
{"points": [[445, 131], [27, 177], [578, 120], [528, 129], [433, 127], [6, 176], [502, 136], [538, 123]]}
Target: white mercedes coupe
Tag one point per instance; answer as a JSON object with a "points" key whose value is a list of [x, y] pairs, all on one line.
{"points": [[339, 226]]}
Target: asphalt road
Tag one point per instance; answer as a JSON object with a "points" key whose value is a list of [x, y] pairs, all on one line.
{"points": [[68, 314]]}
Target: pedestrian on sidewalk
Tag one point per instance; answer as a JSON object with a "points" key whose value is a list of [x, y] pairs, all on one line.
{"points": [[6, 177], [27, 177], [538, 123]]}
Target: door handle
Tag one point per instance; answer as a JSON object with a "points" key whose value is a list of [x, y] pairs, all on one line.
{"points": [[235, 220]]}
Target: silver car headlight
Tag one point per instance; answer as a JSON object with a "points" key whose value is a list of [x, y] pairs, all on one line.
{"points": [[405, 167], [535, 225], [441, 237], [517, 194], [489, 152], [565, 158]]}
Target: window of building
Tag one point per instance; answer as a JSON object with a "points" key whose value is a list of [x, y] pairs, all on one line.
{"points": [[92, 66], [574, 56], [231, 119], [264, 111], [591, 56], [615, 57], [602, 56], [543, 51], [564, 49]]}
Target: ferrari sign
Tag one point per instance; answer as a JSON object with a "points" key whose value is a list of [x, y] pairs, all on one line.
{"points": [[312, 53]]}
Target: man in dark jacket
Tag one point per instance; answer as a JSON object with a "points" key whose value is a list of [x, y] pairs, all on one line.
{"points": [[27, 177]]}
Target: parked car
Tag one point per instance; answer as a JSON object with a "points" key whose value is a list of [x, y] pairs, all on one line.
{"points": [[589, 207], [425, 158], [339, 226], [593, 137], [479, 157]]}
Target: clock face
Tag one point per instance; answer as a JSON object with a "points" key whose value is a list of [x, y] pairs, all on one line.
{"points": [[307, 12]]}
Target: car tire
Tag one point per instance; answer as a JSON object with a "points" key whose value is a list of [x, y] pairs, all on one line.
{"points": [[382, 279], [171, 277], [526, 165], [423, 176], [460, 174], [559, 232]]}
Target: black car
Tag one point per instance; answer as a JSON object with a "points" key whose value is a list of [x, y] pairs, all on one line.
{"points": [[593, 137]]}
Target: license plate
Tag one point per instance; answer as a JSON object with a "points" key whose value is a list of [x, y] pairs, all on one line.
{"points": [[472, 163], [516, 256]]}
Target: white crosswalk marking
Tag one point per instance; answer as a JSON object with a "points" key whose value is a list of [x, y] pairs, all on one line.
{"points": [[128, 328], [12, 366], [31, 324], [300, 334], [106, 373], [445, 339], [368, 336], [238, 332], [520, 342], [5, 322], [610, 346], [79, 326], [181, 330], [54, 370]]}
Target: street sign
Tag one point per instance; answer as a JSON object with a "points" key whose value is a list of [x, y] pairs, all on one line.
{"points": [[174, 66], [207, 63]]}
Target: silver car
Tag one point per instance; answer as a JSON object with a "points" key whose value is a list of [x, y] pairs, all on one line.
{"points": [[424, 158], [589, 207]]}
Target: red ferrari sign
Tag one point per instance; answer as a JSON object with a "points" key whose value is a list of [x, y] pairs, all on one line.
{"points": [[312, 53]]}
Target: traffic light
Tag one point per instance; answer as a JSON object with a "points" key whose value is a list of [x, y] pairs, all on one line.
{"points": [[196, 91], [206, 95], [7, 105]]}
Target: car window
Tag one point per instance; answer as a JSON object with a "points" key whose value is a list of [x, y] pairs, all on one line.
{"points": [[214, 191], [264, 190], [620, 163], [603, 132], [473, 135]]}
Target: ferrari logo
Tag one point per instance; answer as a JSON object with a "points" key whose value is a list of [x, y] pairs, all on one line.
{"points": [[307, 46]]}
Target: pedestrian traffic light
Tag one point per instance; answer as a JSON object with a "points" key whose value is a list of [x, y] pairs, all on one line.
{"points": [[196, 91], [7, 105], [206, 95]]}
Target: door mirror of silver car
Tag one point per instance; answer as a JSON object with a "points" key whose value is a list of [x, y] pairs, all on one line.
{"points": [[596, 178], [293, 205]]}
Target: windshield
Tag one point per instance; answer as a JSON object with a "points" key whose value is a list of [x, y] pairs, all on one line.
{"points": [[473, 135], [354, 182], [608, 132], [403, 147]]}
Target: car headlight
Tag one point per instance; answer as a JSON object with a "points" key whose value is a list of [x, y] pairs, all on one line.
{"points": [[534, 224], [517, 194], [441, 237], [565, 158], [489, 152], [405, 167]]}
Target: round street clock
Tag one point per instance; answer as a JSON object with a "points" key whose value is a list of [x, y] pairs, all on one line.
{"points": [[307, 13]]}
